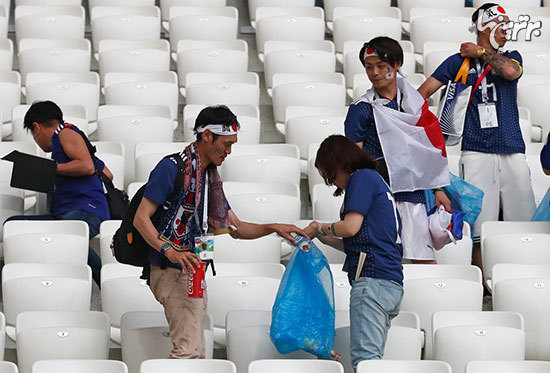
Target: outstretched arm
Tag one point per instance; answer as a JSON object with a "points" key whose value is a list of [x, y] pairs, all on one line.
{"points": [[246, 230]]}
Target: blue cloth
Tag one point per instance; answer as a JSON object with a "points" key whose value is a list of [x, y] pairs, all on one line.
{"points": [[76, 193], [373, 304], [360, 126], [378, 237], [93, 221], [159, 187], [545, 154], [506, 138]]}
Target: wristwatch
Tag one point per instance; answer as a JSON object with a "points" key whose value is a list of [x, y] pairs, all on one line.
{"points": [[481, 51], [164, 248]]}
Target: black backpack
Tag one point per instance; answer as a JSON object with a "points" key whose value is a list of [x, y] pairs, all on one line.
{"points": [[129, 246]]}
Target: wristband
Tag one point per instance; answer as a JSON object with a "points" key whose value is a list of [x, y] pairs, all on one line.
{"points": [[320, 229]]}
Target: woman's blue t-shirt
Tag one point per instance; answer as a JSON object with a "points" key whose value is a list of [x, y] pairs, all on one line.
{"points": [[379, 236]]}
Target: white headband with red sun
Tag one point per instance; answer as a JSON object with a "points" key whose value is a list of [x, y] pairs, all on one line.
{"points": [[220, 129]]}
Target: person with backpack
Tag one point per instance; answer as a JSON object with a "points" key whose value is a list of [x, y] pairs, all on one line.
{"points": [[78, 193], [493, 150], [197, 208]]}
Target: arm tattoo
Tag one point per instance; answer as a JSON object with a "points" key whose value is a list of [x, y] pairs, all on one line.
{"points": [[499, 63]]}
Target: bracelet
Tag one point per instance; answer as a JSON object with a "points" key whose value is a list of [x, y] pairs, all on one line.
{"points": [[332, 229]]}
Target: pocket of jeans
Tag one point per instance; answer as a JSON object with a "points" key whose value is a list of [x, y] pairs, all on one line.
{"points": [[390, 295]]}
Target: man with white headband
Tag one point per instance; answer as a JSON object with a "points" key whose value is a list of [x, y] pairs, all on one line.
{"points": [[492, 145], [374, 122], [198, 208]]}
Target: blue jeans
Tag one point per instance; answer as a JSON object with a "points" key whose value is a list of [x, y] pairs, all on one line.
{"points": [[374, 303], [94, 261]]}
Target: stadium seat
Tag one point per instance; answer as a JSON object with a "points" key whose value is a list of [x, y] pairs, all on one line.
{"points": [[123, 291], [166, 5], [459, 253], [124, 23], [255, 4], [6, 55], [223, 93], [438, 28], [288, 28], [81, 366], [60, 241], [187, 365], [261, 250], [137, 56], [262, 169], [480, 335], [106, 231], [8, 367], [258, 269], [404, 366], [10, 93], [57, 335], [295, 366], [44, 286], [41, 21], [202, 23], [326, 207], [65, 89], [506, 366], [145, 335], [265, 208], [148, 155], [69, 56], [522, 288]]}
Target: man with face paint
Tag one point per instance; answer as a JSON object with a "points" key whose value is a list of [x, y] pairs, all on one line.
{"points": [[382, 58], [493, 150], [199, 207]]}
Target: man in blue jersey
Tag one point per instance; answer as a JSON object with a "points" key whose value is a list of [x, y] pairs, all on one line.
{"points": [[493, 151], [78, 193]]}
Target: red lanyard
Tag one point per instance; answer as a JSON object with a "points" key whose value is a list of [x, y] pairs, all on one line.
{"points": [[478, 81]]}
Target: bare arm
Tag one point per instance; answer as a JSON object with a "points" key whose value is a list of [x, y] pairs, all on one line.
{"points": [[246, 230], [108, 172], [344, 228], [504, 67], [546, 172], [144, 225], [334, 242], [359, 144], [80, 163], [429, 87]]}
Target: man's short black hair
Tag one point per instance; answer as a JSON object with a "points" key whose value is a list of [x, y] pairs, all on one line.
{"points": [[218, 114], [484, 7], [46, 113], [388, 49]]}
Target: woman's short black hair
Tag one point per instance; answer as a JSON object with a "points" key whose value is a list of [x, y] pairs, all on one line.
{"points": [[46, 113], [389, 50], [218, 114]]}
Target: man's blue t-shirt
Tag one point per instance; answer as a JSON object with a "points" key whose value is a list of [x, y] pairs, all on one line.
{"points": [[159, 187], [545, 155], [368, 194], [76, 193], [360, 126], [506, 138]]}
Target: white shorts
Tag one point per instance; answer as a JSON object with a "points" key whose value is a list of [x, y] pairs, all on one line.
{"points": [[415, 231], [506, 181]]}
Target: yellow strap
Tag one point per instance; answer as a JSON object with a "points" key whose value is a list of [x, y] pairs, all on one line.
{"points": [[463, 71]]}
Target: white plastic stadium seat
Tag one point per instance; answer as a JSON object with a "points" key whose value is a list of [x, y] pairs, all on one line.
{"points": [[404, 366], [506, 366], [295, 366], [194, 23], [106, 231], [145, 335], [523, 288], [265, 249], [45, 242], [41, 287], [49, 22], [255, 4], [8, 367], [61, 335], [166, 5], [187, 365], [123, 291], [65, 89], [124, 23], [10, 93], [481, 335], [407, 5], [331, 5], [436, 28], [69, 56], [288, 28], [6, 55], [81, 366]]}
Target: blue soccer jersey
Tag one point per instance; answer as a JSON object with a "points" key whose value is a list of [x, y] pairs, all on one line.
{"points": [[360, 126], [506, 138], [379, 236]]}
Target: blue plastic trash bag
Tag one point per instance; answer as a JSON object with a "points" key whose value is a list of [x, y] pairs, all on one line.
{"points": [[303, 313], [464, 197], [542, 213]]}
